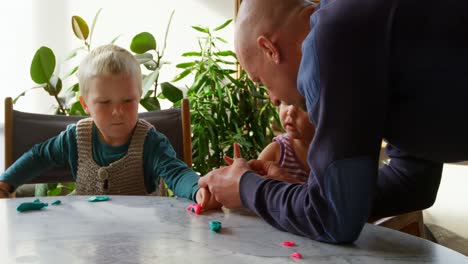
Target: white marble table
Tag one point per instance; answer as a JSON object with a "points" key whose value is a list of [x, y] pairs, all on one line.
{"points": [[159, 230]]}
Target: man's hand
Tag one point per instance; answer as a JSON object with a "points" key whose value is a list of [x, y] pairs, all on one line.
{"points": [[223, 183], [206, 200], [271, 170]]}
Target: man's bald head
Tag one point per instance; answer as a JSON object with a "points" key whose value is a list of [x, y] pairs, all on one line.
{"points": [[268, 39], [264, 17], [267, 15]]}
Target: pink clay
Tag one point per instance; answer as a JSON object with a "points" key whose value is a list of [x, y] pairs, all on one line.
{"points": [[296, 255], [197, 208], [289, 243], [189, 207]]}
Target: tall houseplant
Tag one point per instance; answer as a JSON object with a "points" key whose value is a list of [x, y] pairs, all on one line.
{"points": [[226, 106]]}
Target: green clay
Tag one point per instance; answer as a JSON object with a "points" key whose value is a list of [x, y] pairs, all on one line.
{"points": [[215, 226], [56, 202], [98, 198], [36, 205]]}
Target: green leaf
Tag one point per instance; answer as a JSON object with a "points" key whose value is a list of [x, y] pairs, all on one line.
{"points": [[143, 58], [80, 27], [74, 88], [71, 185], [167, 32], [204, 30], [43, 65], [161, 96], [186, 64], [73, 53], [115, 39], [199, 81], [223, 25], [191, 54], [150, 103], [222, 40], [226, 53], [182, 75], [54, 192], [226, 62], [77, 109], [171, 92], [18, 97], [148, 94], [94, 24], [73, 71], [55, 85], [143, 42], [149, 80], [147, 60], [228, 71], [24, 92], [150, 65]]}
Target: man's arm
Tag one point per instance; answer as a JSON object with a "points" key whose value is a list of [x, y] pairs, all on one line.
{"points": [[406, 184], [333, 210]]}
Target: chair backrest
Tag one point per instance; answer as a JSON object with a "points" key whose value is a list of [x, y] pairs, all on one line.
{"points": [[23, 130]]}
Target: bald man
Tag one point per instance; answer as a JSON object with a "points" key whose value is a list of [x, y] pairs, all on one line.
{"points": [[367, 70]]}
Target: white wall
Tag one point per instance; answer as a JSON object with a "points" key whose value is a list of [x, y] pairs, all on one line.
{"points": [[451, 207], [28, 24]]}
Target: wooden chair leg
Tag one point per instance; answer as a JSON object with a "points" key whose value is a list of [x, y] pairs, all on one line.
{"points": [[411, 223]]}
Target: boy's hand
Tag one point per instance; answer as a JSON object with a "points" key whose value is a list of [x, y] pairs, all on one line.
{"points": [[5, 190], [206, 200]]}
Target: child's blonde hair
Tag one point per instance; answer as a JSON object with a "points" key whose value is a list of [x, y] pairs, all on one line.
{"points": [[108, 60]]}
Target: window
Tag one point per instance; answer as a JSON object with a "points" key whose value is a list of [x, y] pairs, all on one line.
{"points": [[28, 25]]}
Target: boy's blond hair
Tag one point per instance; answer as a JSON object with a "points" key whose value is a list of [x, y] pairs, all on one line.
{"points": [[108, 60]]}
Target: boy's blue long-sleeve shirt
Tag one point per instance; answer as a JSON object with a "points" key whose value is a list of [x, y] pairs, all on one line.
{"points": [[373, 70], [159, 160]]}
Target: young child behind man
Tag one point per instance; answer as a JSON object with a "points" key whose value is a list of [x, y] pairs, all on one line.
{"points": [[289, 150], [112, 152]]}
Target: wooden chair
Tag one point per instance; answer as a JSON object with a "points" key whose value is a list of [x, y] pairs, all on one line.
{"points": [[411, 223], [23, 130]]}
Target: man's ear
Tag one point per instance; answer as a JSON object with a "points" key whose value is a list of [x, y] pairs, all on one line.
{"points": [[269, 49], [84, 105]]}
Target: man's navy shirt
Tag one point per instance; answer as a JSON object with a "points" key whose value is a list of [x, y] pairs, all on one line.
{"points": [[373, 70]]}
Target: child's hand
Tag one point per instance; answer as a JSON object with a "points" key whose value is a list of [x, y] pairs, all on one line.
{"points": [[237, 154], [271, 170], [206, 200]]}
